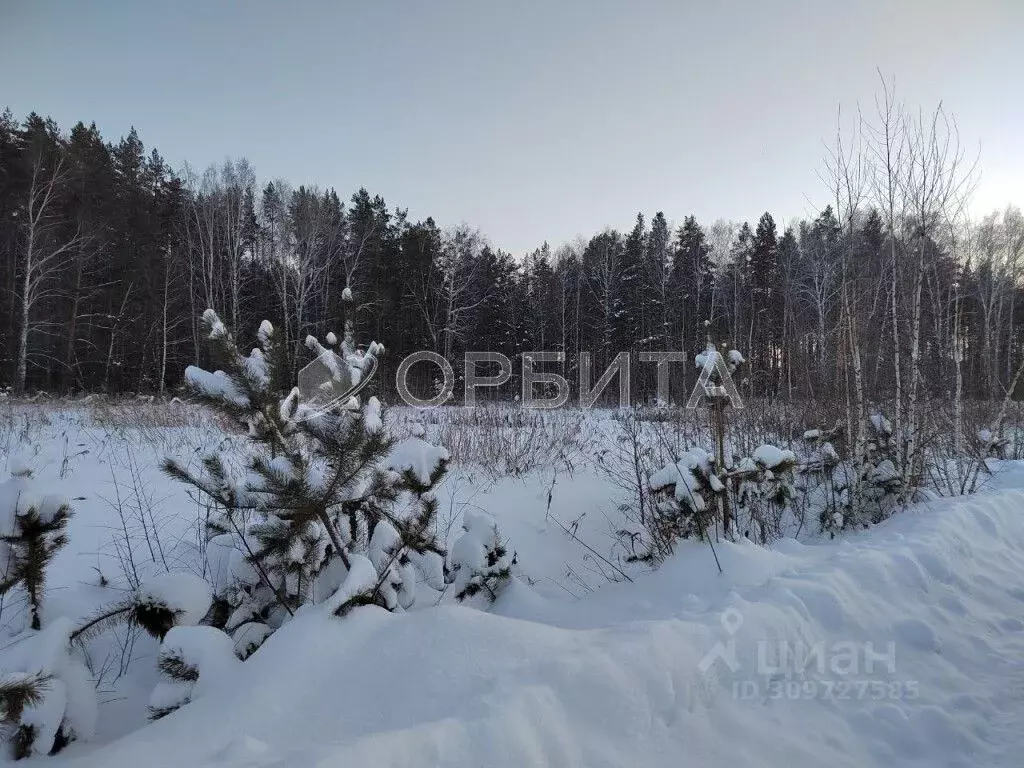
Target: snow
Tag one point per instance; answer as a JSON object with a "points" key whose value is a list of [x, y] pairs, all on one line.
{"points": [[186, 595], [732, 358], [885, 472], [217, 328], [46, 715], [209, 651], [216, 384], [614, 680], [416, 454], [771, 457], [256, 367], [702, 359], [170, 694], [372, 421], [362, 576], [16, 497], [566, 668], [471, 547], [248, 637], [688, 476], [67, 693], [383, 544], [50, 506], [469, 557], [266, 330], [881, 424]]}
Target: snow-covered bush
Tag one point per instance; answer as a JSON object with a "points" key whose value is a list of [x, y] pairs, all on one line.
{"points": [[878, 485], [249, 637], [32, 531], [689, 495], [994, 446], [163, 602], [820, 483], [684, 506], [193, 660], [325, 488], [764, 489], [858, 490], [172, 600], [47, 695], [480, 563]]}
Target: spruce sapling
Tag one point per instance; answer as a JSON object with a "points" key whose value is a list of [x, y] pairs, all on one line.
{"points": [[323, 481], [33, 531], [480, 560]]}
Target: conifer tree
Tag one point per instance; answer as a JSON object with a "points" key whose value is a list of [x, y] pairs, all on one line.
{"points": [[322, 483], [765, 305], [33, 532], [658, 266], [480, 560], [191, 659], [691, 285], [47, 696], [630, 304]]}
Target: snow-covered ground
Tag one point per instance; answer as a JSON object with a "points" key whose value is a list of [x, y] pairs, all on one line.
{"points": [[900, 645]]}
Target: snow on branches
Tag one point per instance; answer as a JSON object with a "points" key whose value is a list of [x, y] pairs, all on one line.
{"points": [[480, 563], [192, 660], [32, 531], [690, 492], [46, 694], [326, 503]]}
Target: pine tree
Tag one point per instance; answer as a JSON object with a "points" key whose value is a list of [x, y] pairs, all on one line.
{"points": [[34, 530], [691, 285], [322, 483], [480, 562], [191, 659], [764, 302], [629, 307], [173, 599], [47, 697], [40, 674], [600, 299], [658, 266]]}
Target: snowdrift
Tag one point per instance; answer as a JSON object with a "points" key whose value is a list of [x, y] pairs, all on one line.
{"points": [[622, 677]]}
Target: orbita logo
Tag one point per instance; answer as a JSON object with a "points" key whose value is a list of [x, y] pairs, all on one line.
{"points": [[330, 381], [544, 388]]}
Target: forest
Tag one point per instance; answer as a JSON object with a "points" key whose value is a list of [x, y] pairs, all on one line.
{"points": [[109, 257]]}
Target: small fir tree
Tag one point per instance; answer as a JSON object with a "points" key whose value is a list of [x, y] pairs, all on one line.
{"points": [[480, 562], [166, 601], [191, 660], [47, 695], [322, 488], [33, 531], [763, 487]]}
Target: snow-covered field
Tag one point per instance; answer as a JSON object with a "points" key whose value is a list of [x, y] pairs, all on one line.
{"points": [[899, 645]]}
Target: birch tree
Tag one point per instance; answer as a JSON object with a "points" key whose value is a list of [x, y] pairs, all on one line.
{"points": [[44, 252], [936, 180]]}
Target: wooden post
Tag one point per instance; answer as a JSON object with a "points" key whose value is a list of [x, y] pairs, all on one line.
{"points": [[718, 433], [717, 399]]}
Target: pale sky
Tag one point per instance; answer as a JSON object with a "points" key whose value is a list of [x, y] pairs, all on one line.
{"points": [[530, 120]]}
